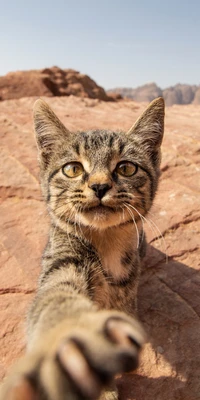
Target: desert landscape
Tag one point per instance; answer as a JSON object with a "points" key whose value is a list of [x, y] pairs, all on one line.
{"points": [[169, 292]]}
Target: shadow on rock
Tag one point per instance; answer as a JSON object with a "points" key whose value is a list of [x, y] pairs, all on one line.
{"points": [[169, 307]]}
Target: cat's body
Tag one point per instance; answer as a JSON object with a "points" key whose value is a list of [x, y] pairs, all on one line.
{"points": [[98, 185]]}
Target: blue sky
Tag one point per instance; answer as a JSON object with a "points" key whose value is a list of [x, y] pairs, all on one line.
{"points": [[116, 42]]}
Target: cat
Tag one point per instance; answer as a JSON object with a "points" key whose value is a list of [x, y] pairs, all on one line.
{"points": [[82, 329]]}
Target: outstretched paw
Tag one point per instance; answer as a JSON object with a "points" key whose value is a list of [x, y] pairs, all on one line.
{"points": [[80, 361]]}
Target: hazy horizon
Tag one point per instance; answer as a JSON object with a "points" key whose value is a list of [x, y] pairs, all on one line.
{"points": [[114, 87], [118, 44]]}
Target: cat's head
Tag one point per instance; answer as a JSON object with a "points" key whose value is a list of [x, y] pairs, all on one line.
{"points": [[99, 178]]}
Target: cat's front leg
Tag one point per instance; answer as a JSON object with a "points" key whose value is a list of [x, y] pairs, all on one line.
{"points": [[77, 360]]}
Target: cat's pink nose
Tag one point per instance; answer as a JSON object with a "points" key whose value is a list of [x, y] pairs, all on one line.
{"points": [[100, 190]]}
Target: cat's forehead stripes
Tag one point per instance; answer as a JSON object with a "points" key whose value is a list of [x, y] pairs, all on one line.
{"points": [[98, 148], [96, 140]]}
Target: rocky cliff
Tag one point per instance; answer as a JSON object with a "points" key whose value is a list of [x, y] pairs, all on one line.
{"points": [[50, 82]]}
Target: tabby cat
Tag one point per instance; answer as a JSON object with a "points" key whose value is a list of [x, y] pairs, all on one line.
{"points": [[98, 185]]}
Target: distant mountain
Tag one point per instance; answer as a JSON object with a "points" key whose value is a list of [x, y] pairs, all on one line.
{"points": [[178, 94]]}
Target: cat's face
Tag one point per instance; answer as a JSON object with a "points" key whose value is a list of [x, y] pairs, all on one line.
{"points": [[99, 178]]}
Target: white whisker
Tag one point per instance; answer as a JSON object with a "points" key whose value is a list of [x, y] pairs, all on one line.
{"points": [[154, 228], [136, 228]]}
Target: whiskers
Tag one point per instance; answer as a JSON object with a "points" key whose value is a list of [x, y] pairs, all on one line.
{"points": [[133, 218], [152, 225], [78, 225]]}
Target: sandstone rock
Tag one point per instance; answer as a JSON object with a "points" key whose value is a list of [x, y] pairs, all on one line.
{"points": [[115, 96], [169, 293], [50, 82]]}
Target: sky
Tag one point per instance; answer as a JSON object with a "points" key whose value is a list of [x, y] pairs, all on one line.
{"points": [[118, 43]]}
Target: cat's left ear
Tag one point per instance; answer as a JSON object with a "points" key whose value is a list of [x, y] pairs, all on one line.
{"points": [[49, 131], [149, 128]]}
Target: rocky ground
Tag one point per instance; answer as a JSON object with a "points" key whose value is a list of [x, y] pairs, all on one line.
{"points": [[169, 294]]}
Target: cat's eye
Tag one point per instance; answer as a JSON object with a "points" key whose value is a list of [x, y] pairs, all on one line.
{"points": [[126, 168], [73, 169]]}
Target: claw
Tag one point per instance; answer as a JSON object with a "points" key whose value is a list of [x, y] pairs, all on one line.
{"points": [[125, 334], [73, 361]]}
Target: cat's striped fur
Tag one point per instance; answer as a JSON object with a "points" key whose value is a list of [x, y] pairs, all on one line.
{"points": [[80, 329]]}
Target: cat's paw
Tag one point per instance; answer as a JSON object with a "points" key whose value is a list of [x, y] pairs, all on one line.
{"points": [[80, 363]]}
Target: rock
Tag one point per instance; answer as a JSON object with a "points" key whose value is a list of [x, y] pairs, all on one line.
{"points": [[169, 292], [50, 82], [115, 96]]}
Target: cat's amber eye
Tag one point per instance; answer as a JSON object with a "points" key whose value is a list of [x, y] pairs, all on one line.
{"points": [[73, 169], [126, 168]]}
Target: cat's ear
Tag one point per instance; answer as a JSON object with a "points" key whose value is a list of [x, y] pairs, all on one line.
{"points": [[49, 130], [149, 127]]}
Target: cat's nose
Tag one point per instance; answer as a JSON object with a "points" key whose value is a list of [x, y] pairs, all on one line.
{"points": [[100, 190]]}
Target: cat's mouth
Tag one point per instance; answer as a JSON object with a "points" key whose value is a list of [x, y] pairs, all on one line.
{"points": [[100, 208], [101, 216]]}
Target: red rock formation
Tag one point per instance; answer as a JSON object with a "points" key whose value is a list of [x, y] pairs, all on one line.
{"points": [[50, 82], [169, 293]]}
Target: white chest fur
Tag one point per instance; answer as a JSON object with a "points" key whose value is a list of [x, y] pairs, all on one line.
{"points": [[116, 246]]}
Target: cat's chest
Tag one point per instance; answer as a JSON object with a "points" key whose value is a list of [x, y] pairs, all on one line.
{"points": [[117, 258], [116, 283], [116, 249], [112, 263]]}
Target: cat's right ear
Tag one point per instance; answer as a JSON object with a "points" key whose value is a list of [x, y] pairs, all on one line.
{"points": [[49, 130], [149, 127]]}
